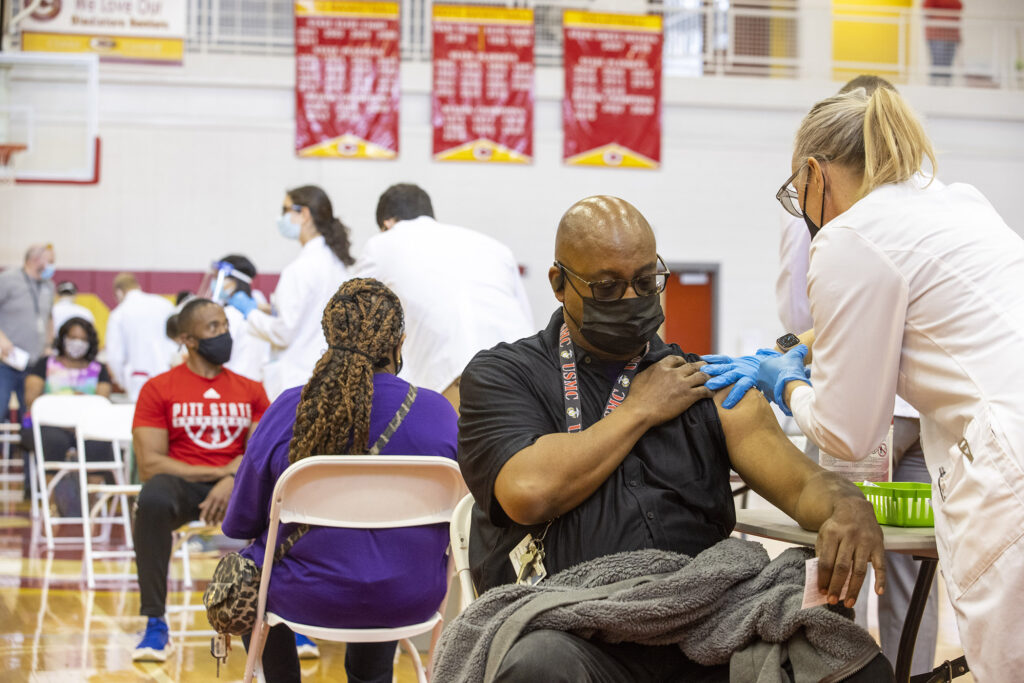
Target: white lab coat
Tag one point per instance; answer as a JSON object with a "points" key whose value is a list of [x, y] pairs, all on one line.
{"points": [[137, 343], [461, 292], [295, 332], [919, 290], [64, 309], [791, 287], [249, 353], [791, 284]]}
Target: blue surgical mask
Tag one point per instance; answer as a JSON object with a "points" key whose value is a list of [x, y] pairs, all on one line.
{"points": [[288, 230], [48, 270]]}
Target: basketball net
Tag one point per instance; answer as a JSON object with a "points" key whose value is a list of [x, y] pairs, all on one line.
{"points": [[7, 170]]}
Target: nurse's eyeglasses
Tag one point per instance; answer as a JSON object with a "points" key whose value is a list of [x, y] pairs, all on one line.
{"points": [[788, 197], [613, 290], [297, 208]]}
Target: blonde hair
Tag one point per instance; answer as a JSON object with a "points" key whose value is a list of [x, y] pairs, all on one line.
{"points": [[879, 137]]}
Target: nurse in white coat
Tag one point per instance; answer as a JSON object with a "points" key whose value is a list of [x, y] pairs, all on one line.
{"points": [[917, 289], [305, 287]]}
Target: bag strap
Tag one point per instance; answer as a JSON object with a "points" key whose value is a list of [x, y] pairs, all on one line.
{"points": [[395, 423], [382, 441]]}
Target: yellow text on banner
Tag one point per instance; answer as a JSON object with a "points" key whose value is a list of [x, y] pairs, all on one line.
{"points": [[614, 22], [379, 10], [112, 47], [475, 14]]}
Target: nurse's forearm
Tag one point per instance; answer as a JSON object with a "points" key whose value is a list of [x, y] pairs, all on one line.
{"points": [[790, 388], [807, 339]]}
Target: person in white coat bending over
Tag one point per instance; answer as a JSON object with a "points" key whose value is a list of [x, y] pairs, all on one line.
{"points": [[916, 288], [305, 287], [461, 290], [137, 343], [907, 459]]}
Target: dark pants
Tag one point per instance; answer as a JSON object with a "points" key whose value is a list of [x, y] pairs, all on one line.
{"points": [[364, 662], [13, 382], [557, 657], [943, 52], [165, 503], [57, 441]]}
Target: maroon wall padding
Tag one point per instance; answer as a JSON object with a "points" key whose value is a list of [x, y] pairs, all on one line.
{"points": [[101, 282]]}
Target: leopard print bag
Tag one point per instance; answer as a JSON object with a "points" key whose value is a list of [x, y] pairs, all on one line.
{"points": [[234, 591], [233, 594]]}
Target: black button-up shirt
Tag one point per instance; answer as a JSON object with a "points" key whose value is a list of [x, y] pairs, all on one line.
{"points": [[671, 492]]}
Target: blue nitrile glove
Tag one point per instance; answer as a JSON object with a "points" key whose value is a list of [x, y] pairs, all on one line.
{"points": [[741, 371], [243, 302], [775, 373]]}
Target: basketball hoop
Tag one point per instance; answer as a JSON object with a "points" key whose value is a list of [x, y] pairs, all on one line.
{"points": [[7, 152]]}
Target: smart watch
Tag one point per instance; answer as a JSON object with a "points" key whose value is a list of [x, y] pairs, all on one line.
{"points": [[787, 341]]}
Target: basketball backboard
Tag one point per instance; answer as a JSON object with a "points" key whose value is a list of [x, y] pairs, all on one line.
{"points": [[48, 103]]}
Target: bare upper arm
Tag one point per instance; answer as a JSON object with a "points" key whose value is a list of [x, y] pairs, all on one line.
{"points": [[34, 385], [761, 453], [149, 442], [103, 389]]}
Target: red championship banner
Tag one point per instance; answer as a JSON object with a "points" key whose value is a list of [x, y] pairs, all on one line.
{"points": [[346, 79], [483, 84], [611, 114]]}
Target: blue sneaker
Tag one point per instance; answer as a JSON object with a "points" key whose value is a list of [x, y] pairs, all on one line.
{"points": [[155, 644], [306, 648]]}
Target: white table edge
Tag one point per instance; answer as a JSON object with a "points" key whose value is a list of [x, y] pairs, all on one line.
{"points": [[775, 524]]}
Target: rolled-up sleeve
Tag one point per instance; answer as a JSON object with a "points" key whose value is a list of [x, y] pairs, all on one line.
{"points": [[500, 415], [859, 304]]}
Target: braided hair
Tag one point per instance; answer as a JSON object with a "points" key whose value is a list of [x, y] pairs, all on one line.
{"points": [[334, 231], [363, 323]]}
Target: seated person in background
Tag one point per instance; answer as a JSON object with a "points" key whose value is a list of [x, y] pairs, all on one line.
{"points": [[346, 577], [653, 473], [65, 308], [190, 431], [71, 369]]}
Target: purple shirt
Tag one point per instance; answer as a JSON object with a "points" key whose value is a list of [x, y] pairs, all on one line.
{"points": [[348, 578]]}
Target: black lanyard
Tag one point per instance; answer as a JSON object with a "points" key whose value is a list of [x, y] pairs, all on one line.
{"points": [[570, 382], [33, 291]]}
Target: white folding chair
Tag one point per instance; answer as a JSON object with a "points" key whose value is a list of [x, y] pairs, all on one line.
{"points": [[358, 492], [58, 410], [113, 424], [10, 435], [462, 519]]}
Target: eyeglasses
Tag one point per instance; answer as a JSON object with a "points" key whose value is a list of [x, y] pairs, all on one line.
{"points": [[788, 197], [613, 290], [297, 208]]}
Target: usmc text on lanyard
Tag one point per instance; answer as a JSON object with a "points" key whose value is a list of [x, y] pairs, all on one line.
{"points": [[528, 556]]}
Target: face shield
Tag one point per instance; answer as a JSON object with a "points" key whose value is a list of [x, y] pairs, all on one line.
{"points": [[213, 286]]}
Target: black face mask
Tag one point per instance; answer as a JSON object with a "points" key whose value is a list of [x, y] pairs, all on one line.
{"points": [[622, 326], [216, 350], [807, 219]]}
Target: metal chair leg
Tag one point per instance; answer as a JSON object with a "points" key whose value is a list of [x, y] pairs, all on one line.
{"points": [[918, 600]]}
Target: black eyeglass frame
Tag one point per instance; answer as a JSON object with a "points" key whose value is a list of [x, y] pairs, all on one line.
{"points": [[659, 287], [789, 199], [297, 208]]}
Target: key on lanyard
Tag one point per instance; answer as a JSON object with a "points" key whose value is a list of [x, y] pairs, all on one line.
{"points": [[220, 645]]}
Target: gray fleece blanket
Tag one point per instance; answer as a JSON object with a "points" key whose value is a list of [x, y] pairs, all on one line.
{"points": [[711, 606]]}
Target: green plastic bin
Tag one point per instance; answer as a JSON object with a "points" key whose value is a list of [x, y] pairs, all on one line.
{"points": [[900, 503]]}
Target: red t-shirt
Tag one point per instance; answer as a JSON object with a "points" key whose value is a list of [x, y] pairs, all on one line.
{"points": [[207, 420]]}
